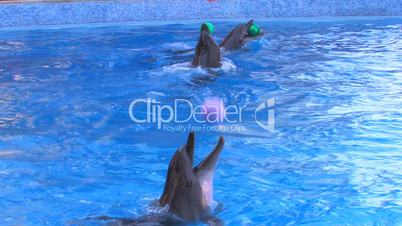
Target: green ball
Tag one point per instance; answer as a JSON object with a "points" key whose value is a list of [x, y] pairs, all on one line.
{"points": [[210, 27], [254, 30]]}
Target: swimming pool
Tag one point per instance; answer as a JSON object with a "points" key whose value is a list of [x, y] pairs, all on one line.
{"points": [[69, 149]]}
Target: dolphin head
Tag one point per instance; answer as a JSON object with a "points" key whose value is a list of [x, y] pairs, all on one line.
{"points": [[239, 36], [188, 190], [207, 52], [247, 37]]}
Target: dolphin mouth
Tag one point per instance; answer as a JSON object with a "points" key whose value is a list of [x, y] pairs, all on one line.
{"points": [[209, 162], [205, 172], [209, 40]]}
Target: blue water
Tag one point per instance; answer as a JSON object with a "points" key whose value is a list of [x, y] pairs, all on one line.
{"points": [[69, 150]]}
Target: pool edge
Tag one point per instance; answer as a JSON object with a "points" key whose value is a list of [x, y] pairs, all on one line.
{"points": [[100, 12]]}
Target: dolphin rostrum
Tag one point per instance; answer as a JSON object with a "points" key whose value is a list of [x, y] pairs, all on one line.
{"points": [[238, 36], [189, 191], [207, 52]]}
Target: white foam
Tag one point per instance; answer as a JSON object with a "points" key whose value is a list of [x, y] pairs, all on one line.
{"points": [[227, 65], [177, 46], [154, 94], [182, 67], [154, 207]]}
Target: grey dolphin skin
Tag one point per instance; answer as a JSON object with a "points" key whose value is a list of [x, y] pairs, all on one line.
{"points": [[238, 36], [207, 52], [189, 191]]}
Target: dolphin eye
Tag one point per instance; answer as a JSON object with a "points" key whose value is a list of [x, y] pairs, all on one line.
{"points": [[189, 184]]}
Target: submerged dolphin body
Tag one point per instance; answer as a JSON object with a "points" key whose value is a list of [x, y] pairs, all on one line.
{"points": [[189, 191], [207, 52], [238, 37]]}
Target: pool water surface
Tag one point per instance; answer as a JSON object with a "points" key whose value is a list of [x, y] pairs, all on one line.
{"points": [[69, 149]]}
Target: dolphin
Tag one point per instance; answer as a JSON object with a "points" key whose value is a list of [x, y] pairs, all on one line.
{"points": [[207, 52], [238, 36], [189, 190]]}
